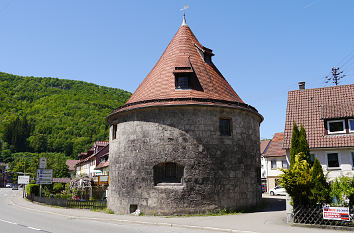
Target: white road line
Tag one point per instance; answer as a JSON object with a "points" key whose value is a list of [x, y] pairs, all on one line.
{"points": [[33, 228], [36, 229], [2, 220]]}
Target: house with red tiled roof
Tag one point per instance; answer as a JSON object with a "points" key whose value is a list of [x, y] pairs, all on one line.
{"points": [[327, 114], [89, 160], [275, 158], [71, 164]]}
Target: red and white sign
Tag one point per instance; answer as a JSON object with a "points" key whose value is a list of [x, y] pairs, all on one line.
{"points": [[336, 213]]}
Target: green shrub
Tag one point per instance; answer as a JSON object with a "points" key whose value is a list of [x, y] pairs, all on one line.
{"points": [[58, 187], [32, 189], [342, 189]]}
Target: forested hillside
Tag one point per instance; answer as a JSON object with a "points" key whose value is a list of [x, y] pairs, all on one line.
{"points": [[53, 115]]}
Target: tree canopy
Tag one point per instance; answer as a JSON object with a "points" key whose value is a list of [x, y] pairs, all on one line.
{"points": [[53, 115]]}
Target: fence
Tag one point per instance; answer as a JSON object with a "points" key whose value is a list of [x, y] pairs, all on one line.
{"points": [[314, 215], [69, 203]]}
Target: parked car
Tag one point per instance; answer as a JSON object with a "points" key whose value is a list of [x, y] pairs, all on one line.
{"points": [[15, 187], [8, 185], [278, 190]]}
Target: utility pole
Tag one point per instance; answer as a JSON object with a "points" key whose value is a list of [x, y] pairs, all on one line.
{"points": [[336, 76]]}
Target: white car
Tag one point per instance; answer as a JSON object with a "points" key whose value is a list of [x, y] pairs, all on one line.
{"points": [[278, 190], [8, 186]]}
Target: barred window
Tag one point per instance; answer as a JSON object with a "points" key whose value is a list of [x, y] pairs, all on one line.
{"points": [[168, 173]]}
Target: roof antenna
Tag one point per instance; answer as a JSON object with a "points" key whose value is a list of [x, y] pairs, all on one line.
{"points": [[184, 15]]}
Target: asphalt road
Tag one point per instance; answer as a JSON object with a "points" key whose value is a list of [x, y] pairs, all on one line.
{"points": [[15, 219], [19, 215]]}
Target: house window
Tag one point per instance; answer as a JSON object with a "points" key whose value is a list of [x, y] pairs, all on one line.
{"points": [[353, 159], [114, 132], [225, 127], [333, 160], [168, 173], [351, 125], [273, 164], [284, 164], [182, 82], [336, 126]]}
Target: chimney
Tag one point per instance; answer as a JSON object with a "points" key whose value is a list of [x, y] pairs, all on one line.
{"points": [[301, 85]]}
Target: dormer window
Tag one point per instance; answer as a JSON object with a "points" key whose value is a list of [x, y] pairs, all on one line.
{"points": [[336, 126], [182, 82]]}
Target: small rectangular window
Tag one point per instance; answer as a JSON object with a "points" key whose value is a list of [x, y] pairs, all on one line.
{"points": [[225, 127], [333, 160], [351, 125], [336, 126], [284, 164], [182, 82], [273, 164], [353, 159], [114, 132]]}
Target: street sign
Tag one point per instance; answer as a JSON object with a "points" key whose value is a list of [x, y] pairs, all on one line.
{"points": [[44, 176], [23, 179], [336, 213], [103, 179], [42, 162]]}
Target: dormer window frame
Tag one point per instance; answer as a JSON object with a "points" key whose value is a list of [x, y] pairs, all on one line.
{"points": [[351, 127], [336, 132]]}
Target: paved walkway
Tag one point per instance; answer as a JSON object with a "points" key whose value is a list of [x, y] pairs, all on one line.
{"points": [[271, 219]]}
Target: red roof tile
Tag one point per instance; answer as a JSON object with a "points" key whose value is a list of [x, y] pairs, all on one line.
{"points": [[275, 146], [310, 108], [102, 165], [158, 88], [71, 164], [263, 146]]}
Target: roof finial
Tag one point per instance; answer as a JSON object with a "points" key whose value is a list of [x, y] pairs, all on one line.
{"points": [[184, 15]]}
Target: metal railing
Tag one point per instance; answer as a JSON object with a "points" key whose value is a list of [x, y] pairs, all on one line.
{"points": [[69, 203]]}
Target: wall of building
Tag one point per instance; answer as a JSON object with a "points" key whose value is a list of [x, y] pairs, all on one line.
{"points": [[219, 171], [274, 173], [346, 166]]}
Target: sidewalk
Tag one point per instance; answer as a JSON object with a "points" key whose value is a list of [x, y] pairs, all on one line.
{"points": [[271, 219]]}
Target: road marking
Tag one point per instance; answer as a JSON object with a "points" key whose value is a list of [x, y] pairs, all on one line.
{"points": [[21, 225], [8, 222]]}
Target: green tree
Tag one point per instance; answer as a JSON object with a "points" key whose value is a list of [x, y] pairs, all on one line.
{"points": [[303, 146], [319, 187], [297, 180], [17, 132], [294, 144]]}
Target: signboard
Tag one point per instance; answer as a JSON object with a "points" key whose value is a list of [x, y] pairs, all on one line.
{"points": [[44, 176], [42, 162], [103, 179], [336, 213], [23, 179]]}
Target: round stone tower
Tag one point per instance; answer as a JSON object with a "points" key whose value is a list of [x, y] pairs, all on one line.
{"points": [[184, 142]]}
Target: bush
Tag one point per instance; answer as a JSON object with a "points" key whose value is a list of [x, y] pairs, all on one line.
{"points": [[32, 189], [58, 187], [342, 189]]}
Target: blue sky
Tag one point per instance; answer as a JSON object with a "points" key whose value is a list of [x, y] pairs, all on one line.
{"points": [[263, 48]]}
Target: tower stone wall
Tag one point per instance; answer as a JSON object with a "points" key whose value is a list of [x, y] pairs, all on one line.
{"points": [[218, 171]]}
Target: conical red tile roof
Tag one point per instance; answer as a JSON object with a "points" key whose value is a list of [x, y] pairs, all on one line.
{"points": [[158, 88]]}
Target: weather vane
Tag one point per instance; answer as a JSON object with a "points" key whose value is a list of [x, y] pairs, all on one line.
{"points": [[184, 14]]}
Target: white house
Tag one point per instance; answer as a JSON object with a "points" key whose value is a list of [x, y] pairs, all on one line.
{"points": [[327, 114]]}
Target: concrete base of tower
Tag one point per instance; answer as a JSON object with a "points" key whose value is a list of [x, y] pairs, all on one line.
{"points": [[177, 160]]}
